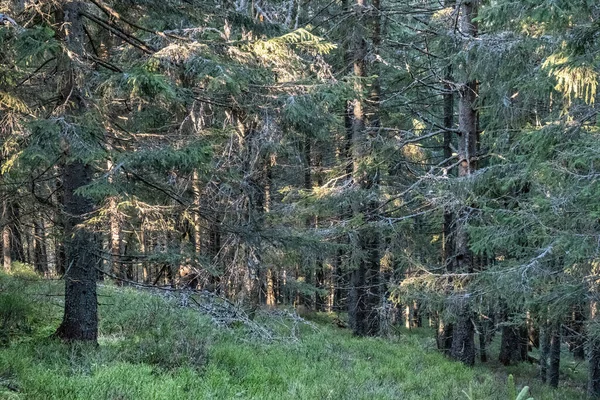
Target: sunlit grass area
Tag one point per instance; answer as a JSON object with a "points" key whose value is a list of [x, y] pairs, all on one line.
{"points": [[151, 348]]}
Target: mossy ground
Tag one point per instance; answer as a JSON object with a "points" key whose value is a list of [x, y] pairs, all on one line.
{"points": [[149, 348]]}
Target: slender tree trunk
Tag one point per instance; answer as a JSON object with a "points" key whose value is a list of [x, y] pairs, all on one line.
{"points": [[80, 319], [17, 253], [6, 256], [463, 340], [445, 328], [39, 243], [593, 354], [115, 240], [309, 263], [545, 335], [59, 233], [484, 328], [444, 338], [196, 187], [29, 248], [577, 333]]}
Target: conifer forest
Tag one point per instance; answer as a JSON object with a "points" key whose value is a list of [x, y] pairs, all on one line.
{"points": [[303, 199]]}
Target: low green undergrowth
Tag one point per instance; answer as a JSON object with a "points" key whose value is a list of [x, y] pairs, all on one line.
{"points": [[149, 348]]}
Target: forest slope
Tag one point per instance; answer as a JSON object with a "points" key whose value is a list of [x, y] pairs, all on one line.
{"points": [[153, 348]]}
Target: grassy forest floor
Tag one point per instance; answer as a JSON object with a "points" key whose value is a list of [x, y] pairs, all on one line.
{"points": [[152, 348]]}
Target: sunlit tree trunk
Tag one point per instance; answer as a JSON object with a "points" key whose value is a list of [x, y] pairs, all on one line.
{"points": [[6, 256]]}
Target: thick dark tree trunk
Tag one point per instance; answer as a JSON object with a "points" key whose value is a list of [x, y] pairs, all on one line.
{"points": [[482, 346], [554, 370], [513, 345], [463, 341], [80, 319], [365, 295], [463, 334], [445, 328], [485, 328], [364, 290], [576, 334], [593, 357]]}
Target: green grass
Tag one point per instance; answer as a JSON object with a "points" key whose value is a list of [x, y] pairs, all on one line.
{"points": [[149, 348]]}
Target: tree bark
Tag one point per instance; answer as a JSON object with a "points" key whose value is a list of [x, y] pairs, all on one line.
{"points": [[115, 240], [593, 355], [39, 243], [80, 319], [364, 297], [544, 351], [463, 341], [6, 256], [554, 370], [513, 347], [463, 334]]}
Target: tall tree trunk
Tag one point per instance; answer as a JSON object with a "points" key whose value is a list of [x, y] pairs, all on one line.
{"points": [[576, 336], [116, 268], [309, 266], [593, 354], [255, 190], [197, 189], [143, 243], [445, 328], [39, 243], [58, 229], [80, 319], [554, 370], [545, 336], [17, 253], [6, 256], [463, 335], [115, 240], [513, 347], [365, 296], [444, 336]]}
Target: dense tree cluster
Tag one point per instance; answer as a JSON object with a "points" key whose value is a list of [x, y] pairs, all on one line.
{"points": [[436, 159]]}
